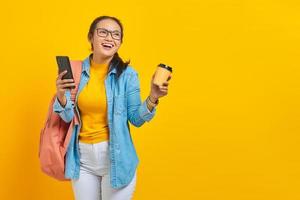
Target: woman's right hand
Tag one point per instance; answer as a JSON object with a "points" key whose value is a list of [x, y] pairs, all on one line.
{"points": [[61, 87]]}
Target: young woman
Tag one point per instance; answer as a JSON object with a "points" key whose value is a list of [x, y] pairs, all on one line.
{"points": [[101, 160]]}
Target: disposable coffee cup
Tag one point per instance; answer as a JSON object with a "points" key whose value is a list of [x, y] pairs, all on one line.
{"points": [[162, 74]]}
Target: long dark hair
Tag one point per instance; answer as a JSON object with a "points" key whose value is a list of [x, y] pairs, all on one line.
{"points": [[116, 60]]}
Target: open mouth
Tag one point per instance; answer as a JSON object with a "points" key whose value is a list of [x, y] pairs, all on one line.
{"points": [[107, 46]]}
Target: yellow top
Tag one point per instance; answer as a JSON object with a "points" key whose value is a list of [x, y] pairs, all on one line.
{"points": [[92, 106]]}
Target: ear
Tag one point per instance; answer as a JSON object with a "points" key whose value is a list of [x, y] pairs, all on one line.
{"points": [[90, 37]]}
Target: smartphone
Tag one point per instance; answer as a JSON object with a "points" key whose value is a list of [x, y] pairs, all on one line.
{"points": [[63, 63]]}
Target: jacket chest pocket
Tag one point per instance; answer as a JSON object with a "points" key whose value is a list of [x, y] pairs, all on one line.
{"points": [[120, 104]]}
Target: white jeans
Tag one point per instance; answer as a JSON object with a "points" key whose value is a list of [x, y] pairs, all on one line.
{"points": [[94, 178]]}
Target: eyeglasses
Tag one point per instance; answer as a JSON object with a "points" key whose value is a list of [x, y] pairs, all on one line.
{"points": [[102, 32]]}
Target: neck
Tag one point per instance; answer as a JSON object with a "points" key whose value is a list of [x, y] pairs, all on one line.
{"points": [[98, 59]]}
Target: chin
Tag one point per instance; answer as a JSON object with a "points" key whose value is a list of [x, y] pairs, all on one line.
{"points": [[105, 53]]}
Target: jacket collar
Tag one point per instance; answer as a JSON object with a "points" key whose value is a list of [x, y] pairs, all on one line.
{"points": [[86, 66]]}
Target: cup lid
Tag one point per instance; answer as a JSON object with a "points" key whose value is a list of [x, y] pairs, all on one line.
{"points": [[165, 66]]}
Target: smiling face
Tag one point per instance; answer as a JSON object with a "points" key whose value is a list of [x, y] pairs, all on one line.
{"points": [[106, 38]]}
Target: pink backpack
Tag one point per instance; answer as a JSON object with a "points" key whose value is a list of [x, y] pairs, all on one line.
{"points": [[56, 134]]}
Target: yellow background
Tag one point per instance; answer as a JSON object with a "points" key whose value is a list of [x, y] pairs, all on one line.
{"points": [[229, 128]]}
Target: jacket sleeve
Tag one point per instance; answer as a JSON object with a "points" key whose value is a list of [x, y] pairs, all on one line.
{"points": [[67, 112], [137, 111]]}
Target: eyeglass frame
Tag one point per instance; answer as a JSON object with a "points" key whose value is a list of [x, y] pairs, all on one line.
{"points": [[108, 31]]}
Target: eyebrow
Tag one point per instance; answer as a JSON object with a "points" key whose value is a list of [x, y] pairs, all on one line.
{"points": [[110, 30]]}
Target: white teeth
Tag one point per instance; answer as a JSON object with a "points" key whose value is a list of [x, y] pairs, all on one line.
{"points": [[107, 45]]}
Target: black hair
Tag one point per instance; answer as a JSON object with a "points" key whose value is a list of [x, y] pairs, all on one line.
{"points": [[116, 60]]}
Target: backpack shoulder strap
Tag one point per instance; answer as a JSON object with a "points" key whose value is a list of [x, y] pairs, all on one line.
{"points": [[76, 66]]}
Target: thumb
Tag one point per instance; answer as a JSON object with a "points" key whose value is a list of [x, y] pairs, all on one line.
{"points": [[153, 77]]}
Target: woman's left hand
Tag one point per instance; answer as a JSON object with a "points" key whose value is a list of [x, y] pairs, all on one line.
{"points": [[159, 91]]}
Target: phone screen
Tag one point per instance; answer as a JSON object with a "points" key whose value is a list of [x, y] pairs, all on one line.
{"points": [[63, 63]]}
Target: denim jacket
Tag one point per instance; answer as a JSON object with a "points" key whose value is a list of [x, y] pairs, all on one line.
{"points": [[124, 106]]}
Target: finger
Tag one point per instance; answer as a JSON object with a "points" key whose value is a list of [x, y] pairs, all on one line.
{"points": [[61, 74], [165, 84], [66, 88], [155, 85], [152, 77], [62, 86], [163, 87], [68, 85], [61, 89], [63, 81], [59, 77], [67, 80]]}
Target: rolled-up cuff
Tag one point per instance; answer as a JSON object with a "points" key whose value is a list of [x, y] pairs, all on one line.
{"points": [[145, 113], [57, 107]]}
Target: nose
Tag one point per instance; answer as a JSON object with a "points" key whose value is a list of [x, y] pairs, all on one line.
{"points": [[109, 37]]}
